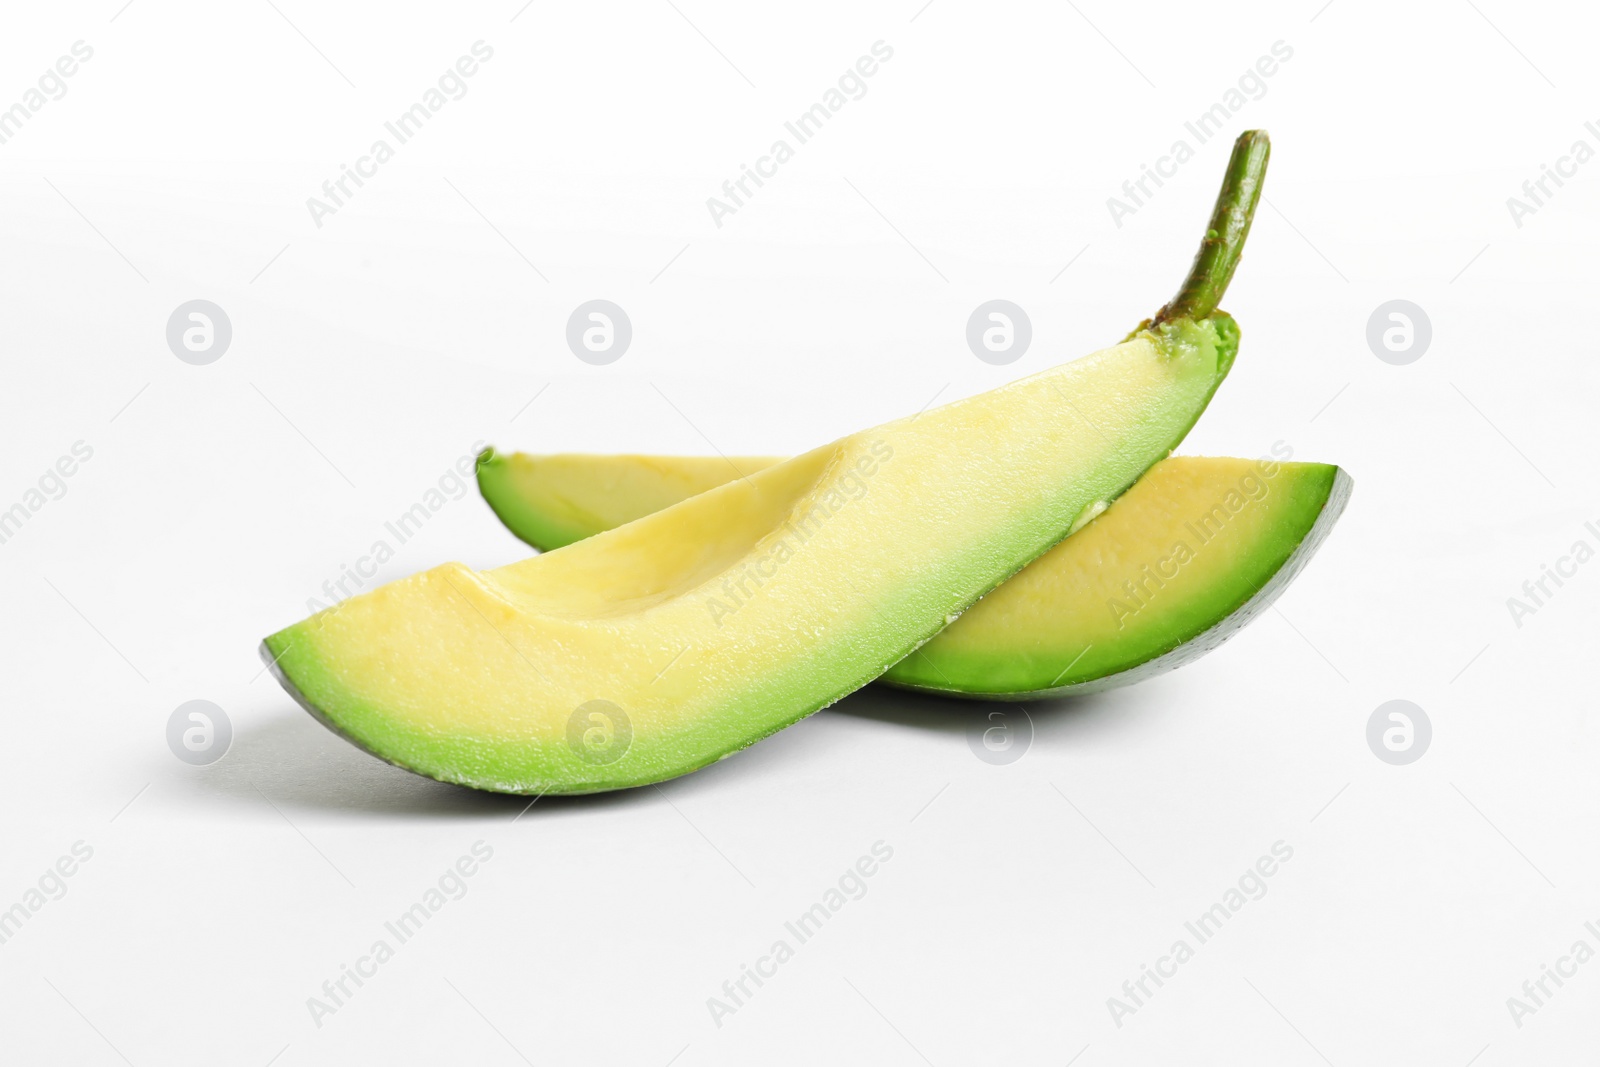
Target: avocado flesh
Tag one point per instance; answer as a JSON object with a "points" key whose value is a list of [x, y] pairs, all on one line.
{"points": [[1180, 562], [734, 613], [552, 501]]}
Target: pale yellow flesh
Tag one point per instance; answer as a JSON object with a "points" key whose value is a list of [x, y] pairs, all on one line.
{"points": [[1152, 578], [1176, 556]]}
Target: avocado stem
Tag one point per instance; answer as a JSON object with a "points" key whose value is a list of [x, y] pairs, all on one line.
{"points": [[1224, 240]]}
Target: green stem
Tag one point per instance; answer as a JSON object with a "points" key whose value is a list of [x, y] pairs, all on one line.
{"points": [[1230, 224]]}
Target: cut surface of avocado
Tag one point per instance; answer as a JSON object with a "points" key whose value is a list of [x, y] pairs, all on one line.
{"points": [[553, 501], [1176, 565], [1181, 562], [663, 645]]}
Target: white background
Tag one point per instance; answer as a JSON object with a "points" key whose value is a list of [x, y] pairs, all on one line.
{"points": [[373, 352]]}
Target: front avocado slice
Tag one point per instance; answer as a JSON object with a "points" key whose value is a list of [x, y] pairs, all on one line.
{"points": [[663, 645], [1189, 555]]}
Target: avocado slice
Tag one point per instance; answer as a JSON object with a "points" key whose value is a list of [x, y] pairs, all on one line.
{"points": [[1195, 550], [663, 645]]}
